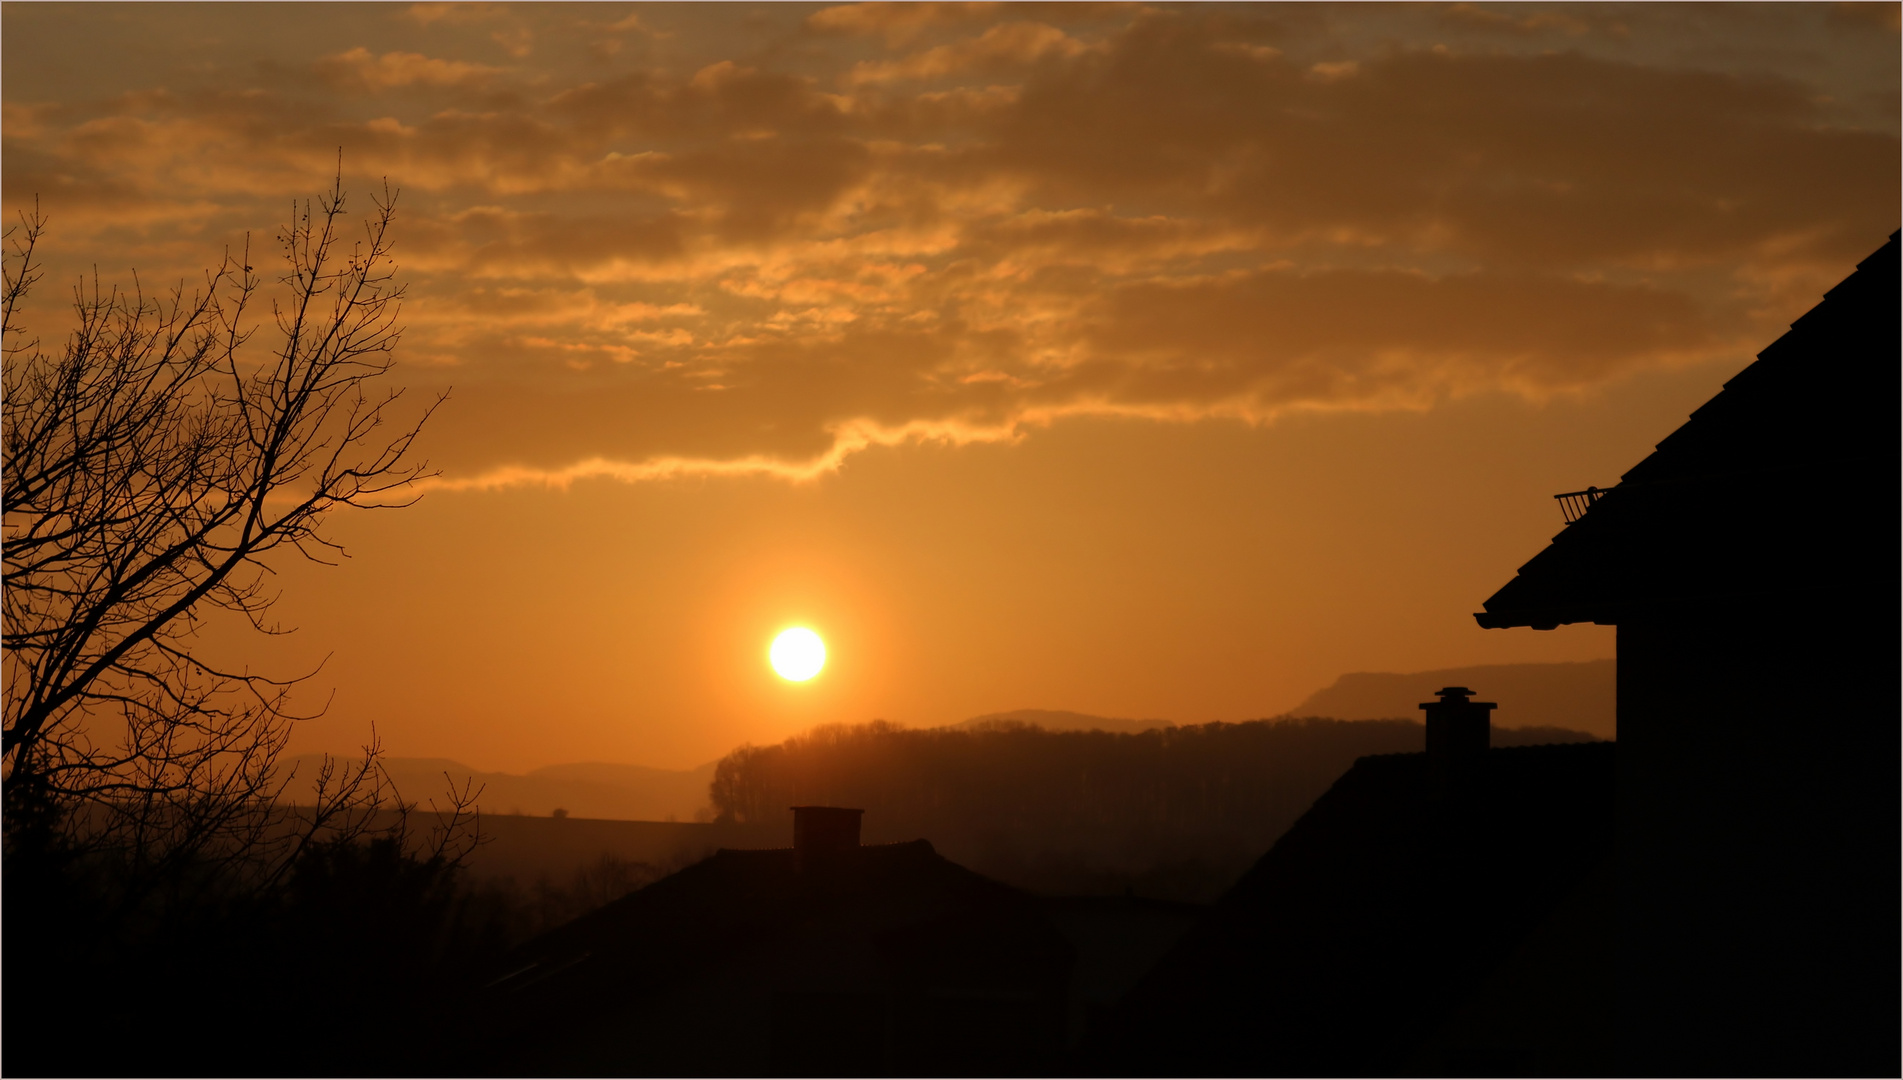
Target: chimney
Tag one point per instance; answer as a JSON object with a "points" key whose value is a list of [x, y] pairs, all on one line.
{"points": [[823, 835], [1456, 727]]}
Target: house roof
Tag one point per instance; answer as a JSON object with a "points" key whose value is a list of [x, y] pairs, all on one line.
{"points": [[1782, 483], [696, 973], [1387, 906]]}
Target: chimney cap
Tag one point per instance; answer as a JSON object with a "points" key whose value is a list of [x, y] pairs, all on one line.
{"points": [[1456, 697], [1456, 727]]}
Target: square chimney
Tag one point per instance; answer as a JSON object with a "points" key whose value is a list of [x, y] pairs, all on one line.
{"points": [[824, 834], [1457, 727]]}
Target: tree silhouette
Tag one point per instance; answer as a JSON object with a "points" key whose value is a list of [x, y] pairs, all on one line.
{"points": [[155, 465], [1049, 809]]}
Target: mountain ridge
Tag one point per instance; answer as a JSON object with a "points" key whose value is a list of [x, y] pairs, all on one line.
{"points": [[1578, 697]]}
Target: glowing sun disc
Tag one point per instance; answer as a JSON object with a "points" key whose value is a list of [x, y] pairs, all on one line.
{"points": [[798, 654]]}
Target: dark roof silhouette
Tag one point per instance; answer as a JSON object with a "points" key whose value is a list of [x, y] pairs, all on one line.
{"points": [[1750, 564], [881, 959], [1741, 499], [1117, 939], [1354, 944]]}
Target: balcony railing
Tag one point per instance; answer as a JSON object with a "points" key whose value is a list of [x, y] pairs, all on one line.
{"points": [[1574, 504]]}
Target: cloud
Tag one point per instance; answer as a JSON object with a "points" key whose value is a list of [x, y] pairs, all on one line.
{"points": [[630, 23], [1568, 23], [1542, 160], [1883, 16], [999, 46], [898, 23], [1249, 348], [358, 68], [455, 14], [848, 439], [517, 41], [761, 262], [1347, 338], [1329, 71]]}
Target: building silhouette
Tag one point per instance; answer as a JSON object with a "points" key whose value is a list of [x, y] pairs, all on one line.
{"points": [[1751, 566], [1445, 912], [1716, 895], [828, 958]]}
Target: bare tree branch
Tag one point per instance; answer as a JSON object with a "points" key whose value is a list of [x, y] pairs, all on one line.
{"points": [[154, 464]]}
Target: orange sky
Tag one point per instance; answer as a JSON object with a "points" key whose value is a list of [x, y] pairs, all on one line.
{"points": [[1141, 361]]}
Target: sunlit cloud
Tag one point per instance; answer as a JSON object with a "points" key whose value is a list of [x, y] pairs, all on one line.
{"points": [[1011, 43], [906, 224], [360, 69], [898, 23], [848, 439]]}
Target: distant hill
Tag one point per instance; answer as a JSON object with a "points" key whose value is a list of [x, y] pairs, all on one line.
{"points": [[585, 790], [1059, 720], [1172, 812], [1579, 696], [1574, 696]]}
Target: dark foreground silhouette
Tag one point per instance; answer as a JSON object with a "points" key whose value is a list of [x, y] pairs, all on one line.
{"points": [[1750, 564], [370, 961], [823, 959], [357, 964], [1434, 914], [1424, 897]]}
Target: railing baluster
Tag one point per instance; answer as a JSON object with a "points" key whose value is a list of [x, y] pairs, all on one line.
{"points": [[1574, 504]]}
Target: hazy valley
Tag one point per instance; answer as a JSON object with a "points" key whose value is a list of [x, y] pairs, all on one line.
{"points": [[1575, 697]]}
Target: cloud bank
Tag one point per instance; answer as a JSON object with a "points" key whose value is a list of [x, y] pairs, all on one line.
{"points": [[744, 242]]}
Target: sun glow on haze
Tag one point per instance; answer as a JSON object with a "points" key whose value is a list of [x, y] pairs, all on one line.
{"points": [[864, 317], [797, 654]]}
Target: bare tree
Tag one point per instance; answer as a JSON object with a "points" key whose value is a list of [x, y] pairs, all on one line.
{"points": [[155, 464]]}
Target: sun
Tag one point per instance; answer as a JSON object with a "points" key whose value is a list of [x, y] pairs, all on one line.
{"points": [[797, 654]]}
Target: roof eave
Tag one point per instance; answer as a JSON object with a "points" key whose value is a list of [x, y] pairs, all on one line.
{"points": [[1542, 620]]}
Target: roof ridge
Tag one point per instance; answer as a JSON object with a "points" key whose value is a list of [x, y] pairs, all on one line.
{"points": [[1815, 406]]}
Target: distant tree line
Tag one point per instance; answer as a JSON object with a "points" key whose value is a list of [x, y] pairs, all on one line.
{"points": [[1184, 809]]}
